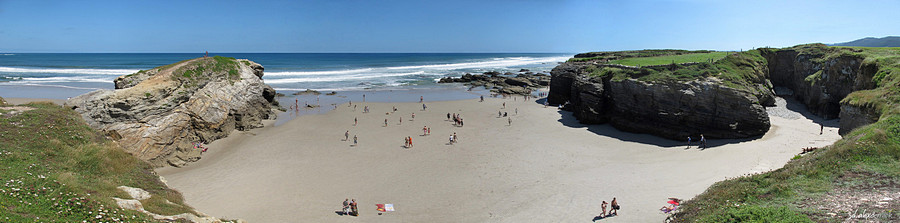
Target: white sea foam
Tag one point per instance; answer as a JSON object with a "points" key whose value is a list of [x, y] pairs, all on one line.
{"points": [[496, 62], [340, 78], [311, 73], [47, 85], [502, 62], [116, 72], [26, 80]]}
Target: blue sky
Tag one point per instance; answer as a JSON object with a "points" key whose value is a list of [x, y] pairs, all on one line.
{"points": [[434, 26]]}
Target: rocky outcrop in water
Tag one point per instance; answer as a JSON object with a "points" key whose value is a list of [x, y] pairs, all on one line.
{"points": [[158, 115], [507, 83], [672, 110]]}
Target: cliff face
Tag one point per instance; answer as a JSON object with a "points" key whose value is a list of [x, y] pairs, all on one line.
{"points": [[158, 115], [673, 110], [821, 81], [820, 77]]}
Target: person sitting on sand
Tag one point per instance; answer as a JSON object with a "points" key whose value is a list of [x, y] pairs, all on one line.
{"points": [[346, 208], [354, 208]]}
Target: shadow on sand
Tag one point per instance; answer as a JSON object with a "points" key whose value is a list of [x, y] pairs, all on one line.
{"points": [[567, 119]]}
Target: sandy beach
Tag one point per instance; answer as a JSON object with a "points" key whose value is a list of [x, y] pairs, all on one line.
{"points": [[544, 167]]}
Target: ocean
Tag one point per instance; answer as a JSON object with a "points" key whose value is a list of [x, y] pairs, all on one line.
{"points": [[50, 75]]}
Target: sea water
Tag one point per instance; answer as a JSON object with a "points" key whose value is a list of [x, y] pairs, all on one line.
{"points": [[59, 76]]}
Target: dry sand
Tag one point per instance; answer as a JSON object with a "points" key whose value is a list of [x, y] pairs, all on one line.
{"points": [[545, 167]]}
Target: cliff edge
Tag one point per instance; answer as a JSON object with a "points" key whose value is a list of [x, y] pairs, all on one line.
{"points": [[159, 114]]}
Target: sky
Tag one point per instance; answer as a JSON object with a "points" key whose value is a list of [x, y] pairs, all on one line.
{"points": [[386, 26]]}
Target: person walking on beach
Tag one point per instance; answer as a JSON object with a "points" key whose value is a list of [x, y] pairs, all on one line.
{"points": [[424, 107], [429, 132], [347, 135], [451, 139], [413, 115], [455, 139], [385, 122], [615, 207], [401, 121], [405, 142], [689, 142], [509, 120], [410, 141], [504, 105], [702, 141], [603, 206], [821, 128], [355, 121], [482, 98], [448, 116], [517, 111], [421, 99], [354, 140]]}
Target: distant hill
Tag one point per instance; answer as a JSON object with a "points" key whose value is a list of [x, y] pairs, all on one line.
{"points": [[888, 41]]}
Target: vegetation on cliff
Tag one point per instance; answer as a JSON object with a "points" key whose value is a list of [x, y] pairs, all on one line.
{"points": [[55, 168], [852, 176], [739, 70]]}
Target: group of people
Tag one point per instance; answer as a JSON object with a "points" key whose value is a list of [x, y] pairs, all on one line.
{"points": [[809, 149], [456, 119], [350, 207], [701, 144], [453, 138], [200, 146], [408, 142], [614, 211]]}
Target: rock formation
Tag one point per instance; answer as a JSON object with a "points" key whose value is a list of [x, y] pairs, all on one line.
{"points": [[821, 82], [672, 110], [2, 102], [507, 83], [818, 76], [157, 115]]}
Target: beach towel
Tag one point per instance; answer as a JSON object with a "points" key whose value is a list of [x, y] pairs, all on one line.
{"points": [[389, 207]]}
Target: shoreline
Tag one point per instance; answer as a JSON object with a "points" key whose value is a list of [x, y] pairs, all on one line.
{"points": [[543, 167]]}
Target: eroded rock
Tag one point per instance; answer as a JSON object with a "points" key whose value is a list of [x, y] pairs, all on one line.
{"points": [[159, 114]]}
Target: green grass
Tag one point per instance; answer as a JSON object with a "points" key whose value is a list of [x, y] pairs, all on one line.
{"points": [[872, 152], [57, 169], [670, 59]]}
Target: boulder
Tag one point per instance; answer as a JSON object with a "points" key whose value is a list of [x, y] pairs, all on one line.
{"points": [[2, 102], [158, 115]]}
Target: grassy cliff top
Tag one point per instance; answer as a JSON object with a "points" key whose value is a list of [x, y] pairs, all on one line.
{"points": [[813, 187], [741, 70], [55, 168]]}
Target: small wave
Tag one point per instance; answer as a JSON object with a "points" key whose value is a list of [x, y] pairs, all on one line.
{"points": [[62, 79], [117, 72], [47, 85], [311, 73], [501, 62], [8, 54], [339, 78]]}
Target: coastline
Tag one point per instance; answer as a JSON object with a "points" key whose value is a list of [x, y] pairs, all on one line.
{"points": [[533, 170]]}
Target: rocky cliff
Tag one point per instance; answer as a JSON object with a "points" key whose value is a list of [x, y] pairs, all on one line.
{"points": [[157, 115], [725, 98], [821, 77], [670, 109]]}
